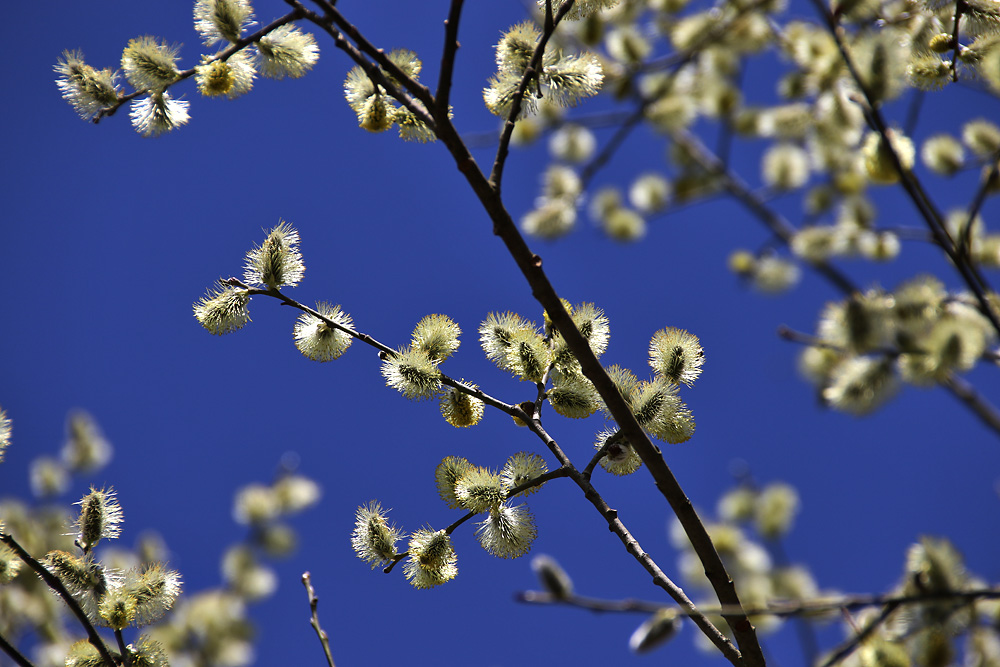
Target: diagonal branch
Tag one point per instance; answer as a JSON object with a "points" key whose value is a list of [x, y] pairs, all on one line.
{"points": [[56, 584], [448, 54], [324, 639]]}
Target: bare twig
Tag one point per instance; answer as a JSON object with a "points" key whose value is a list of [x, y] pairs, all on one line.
{"points": [[324, 639], [14, 654], [910, 183], [854, 642], [448, 54], [781, 608]]}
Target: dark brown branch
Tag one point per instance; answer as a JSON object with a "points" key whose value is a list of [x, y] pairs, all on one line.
{"points": [[448, 54], [416, 107], [965, 392], [781, 608], [14, 654], [368, 340], [417, 90]]}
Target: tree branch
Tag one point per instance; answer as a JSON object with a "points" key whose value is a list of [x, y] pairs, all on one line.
{"points": [[324, 639], [448, 54]]}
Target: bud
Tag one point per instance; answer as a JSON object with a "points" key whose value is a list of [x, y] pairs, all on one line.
{"points": [[459, 408], [287, 51], [222, 20], [100, 516], [446, 476], [520, 468], [436, 336], [277, 262], [224, 310], [552, 577], [374, 539], [655, 631], [479, 490], [318, 340], [676, 355], [432, 559], [412, 373], [507, 532], [149, 64]]}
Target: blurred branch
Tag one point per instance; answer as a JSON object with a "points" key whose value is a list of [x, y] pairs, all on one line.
{"points": [[56, 585], [781, 608], [909, 181], [860, 636], [324, 639], [741, 191], [967, 394]]}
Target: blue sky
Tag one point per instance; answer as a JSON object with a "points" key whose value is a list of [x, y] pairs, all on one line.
{"points": [[109, 238]]}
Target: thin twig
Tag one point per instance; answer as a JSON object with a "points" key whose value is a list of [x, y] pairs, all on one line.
{"points": [[779, 608], [14, 654], [742, 192], [384, 349], [854, 642], [448, 54], [417, 90], [126, 656], [965, 392], [660, 579], [415, 105], [324, 639]]}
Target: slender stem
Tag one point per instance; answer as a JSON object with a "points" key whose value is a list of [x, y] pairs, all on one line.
{"points": [[967, 394], [788, 608], [984, 188], [126, 656], [416, 105], [561, 471], [957, 47], [324, 639], [14, 654], [56, 584], [448, 54], [854, 642], [368, 340], [742, 192]]}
